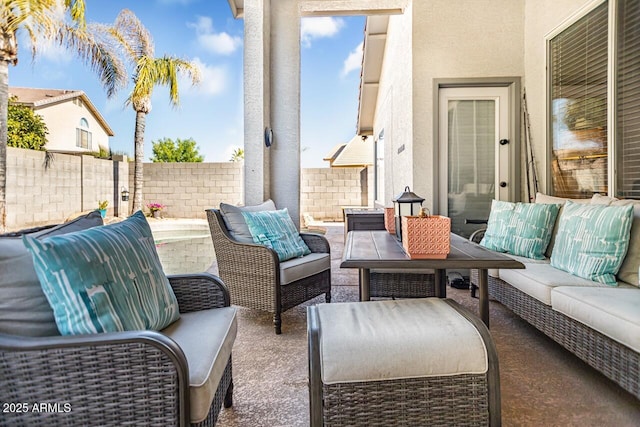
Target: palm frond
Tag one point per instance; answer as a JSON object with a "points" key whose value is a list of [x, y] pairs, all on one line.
{"points": [[136, 37], [97, 52]]}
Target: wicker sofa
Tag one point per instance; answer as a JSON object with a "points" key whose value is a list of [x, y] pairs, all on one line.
{"points": [[599, 324], [178, 376]]}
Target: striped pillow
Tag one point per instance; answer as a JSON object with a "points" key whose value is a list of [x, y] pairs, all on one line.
{"points": [[522, 229], [276, 230], [105, 279], [592, 241]]}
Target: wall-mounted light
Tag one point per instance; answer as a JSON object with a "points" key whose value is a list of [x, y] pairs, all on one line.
{"points": [[124, 194]]}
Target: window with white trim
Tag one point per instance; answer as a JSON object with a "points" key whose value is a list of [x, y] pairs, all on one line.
{"points": [[594, 123], [83, 135]]}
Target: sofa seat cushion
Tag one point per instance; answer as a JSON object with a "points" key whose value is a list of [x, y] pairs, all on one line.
{"points": [[495, 272], [395, 339], [611, 311], [299, 268], [538, 280], [206, 337]]}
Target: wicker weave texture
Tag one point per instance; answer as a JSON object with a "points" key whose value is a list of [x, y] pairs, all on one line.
{"points": [[196, 292], [402, 285], [123, 378], [459, 400], [218, 399], [613, 359], [111, 384]]}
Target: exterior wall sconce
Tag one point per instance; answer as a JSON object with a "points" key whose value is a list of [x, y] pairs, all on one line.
{"points": [[124, 194], [406, 203]]}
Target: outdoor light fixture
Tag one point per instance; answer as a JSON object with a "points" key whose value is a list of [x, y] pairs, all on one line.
{"points": [[124, 194], [406, 203]]}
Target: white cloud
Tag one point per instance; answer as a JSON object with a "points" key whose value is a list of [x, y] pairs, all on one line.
{"points": [[353, 61], [219, 43], [213, 80], [315, 28]]}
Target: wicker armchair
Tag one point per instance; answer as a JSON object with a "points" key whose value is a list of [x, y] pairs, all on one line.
{"points": [[132, 378], [253, 272]]}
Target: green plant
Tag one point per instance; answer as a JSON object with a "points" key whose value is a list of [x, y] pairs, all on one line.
{"points": [[102, 204], [180, 150]]}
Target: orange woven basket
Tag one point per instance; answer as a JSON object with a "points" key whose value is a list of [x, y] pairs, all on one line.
{"points": [[426, 238], [390, 220]]}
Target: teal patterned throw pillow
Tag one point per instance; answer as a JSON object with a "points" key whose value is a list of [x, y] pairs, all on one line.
{"points": [[276, 230], [105, 279], [522, 229], [592, 241]]}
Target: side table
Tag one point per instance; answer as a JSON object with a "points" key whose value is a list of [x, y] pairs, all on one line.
{"points": [[362, 219]]}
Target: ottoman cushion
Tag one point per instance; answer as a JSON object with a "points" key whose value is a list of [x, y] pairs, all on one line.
{"points": [[386, 340]]}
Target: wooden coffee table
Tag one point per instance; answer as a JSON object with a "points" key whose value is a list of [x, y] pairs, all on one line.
{"points": [[379, 249]]}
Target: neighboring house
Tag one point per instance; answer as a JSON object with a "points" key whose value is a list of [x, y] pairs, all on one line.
{"points": [[74, 123], [441, 94], [356, 153]]}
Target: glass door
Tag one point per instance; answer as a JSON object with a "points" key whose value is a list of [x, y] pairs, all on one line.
{"points": [[474, 153]]}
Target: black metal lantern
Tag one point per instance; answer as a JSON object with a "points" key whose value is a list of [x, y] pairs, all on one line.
{"points": [[124, 194], [406, 203]]}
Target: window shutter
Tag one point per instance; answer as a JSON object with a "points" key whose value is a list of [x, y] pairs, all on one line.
{"points": [[628, 100], [578, 67]]}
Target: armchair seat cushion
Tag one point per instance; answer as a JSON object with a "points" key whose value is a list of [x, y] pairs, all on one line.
{"points": [[206, 337], [299, 268]]}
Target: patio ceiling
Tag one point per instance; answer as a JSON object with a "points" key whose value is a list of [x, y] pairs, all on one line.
{"points": [[375, 39], [336, 7]]}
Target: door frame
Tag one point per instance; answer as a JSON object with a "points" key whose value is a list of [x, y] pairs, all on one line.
{"points": [[515, 161]]}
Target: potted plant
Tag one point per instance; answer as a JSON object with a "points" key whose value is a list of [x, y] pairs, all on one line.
{"points": [[102, 207], [155, 209]]}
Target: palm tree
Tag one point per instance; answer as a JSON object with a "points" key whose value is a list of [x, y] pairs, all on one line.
{"points": [[237, 155], [41, 20], [149, 71]]}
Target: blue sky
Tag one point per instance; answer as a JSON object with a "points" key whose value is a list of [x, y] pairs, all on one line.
{"points": [[205, 32]]}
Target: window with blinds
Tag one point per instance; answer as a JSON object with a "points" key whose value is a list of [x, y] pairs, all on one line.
{"points": [[578, 76], [628, 99]]}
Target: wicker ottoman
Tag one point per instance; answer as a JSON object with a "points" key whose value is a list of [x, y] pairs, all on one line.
{"points": [[401, 363]]}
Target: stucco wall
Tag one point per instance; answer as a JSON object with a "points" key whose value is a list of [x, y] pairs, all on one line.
{"points": [[394, 110], [37, 195], [457, 39], [542, 16], [439, 39], [63, 119]]}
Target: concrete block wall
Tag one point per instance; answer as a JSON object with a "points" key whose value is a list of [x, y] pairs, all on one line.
{"points": [[38, 195], [187, 189], [324, 191], [74, 183]]}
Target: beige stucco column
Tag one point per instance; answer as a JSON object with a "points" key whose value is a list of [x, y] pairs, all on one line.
{"points": [[257, 100], [272, 100], [285, 106]]}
